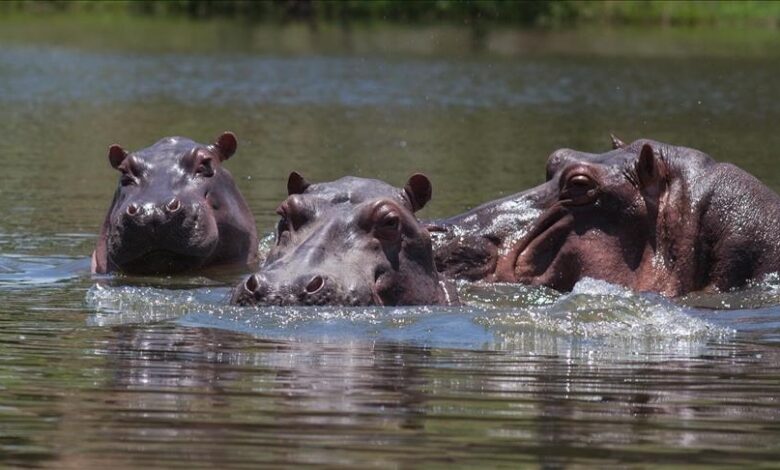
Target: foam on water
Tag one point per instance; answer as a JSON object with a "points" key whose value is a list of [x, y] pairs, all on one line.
{"points": [[595, 316], [597, 308], [753, 310], [599, 320], [764, 292]]}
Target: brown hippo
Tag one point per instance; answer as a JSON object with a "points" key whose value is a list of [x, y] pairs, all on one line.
{"points": [[649, 216], [176, 209], [353, 241]]}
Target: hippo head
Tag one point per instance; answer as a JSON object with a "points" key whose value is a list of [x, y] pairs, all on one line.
{"points": [[597, 216], [176, 209], [353, 241]]}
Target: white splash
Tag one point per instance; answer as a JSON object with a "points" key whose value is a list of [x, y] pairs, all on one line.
{"points": [[503, 316]]}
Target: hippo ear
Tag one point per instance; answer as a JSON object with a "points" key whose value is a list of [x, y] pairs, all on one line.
{"points": [[418, 190], [116, 155], [225, 146], [647, 167], [296, 184], [616, 143]]}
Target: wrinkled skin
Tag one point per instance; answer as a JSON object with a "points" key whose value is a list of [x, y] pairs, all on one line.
{"points": [[176, 210], [353, 241], [649, 216]]}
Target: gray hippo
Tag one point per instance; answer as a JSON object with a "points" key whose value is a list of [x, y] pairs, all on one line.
{"points": [[176, 209], [649, 216], [353, 241]]}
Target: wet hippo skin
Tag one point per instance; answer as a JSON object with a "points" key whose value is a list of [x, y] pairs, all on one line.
{"points": [[353, 241], [649, 216], [177, 209]]}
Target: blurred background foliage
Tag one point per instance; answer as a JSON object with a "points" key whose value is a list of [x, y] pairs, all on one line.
{"points": [[529, 13]]}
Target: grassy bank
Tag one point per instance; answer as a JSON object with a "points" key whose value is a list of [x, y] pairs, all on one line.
{"points": [[539, 13]]}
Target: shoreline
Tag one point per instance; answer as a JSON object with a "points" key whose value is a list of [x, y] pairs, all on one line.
{"points": [[156, 35], [471, 13]]}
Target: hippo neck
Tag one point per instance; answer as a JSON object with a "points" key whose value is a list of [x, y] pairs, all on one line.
{"points": [[714, 229], [738, 238]]}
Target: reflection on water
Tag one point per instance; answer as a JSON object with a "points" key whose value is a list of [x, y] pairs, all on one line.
{"points": [[176, 395], [118, 371]]}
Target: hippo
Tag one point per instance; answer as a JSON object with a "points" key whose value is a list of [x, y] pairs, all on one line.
{"points": [[177, 209], [353, 241], [649, 216]]}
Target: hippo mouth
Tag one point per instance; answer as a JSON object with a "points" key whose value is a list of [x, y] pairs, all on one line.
{"points": [[160, 262], [530, 260], [160, 253]]}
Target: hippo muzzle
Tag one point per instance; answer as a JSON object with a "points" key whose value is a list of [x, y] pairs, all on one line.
{"points": [[152, 238], [317, 289]]}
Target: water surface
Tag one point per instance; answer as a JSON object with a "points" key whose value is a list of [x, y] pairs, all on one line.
{"points": [[126, 372]]}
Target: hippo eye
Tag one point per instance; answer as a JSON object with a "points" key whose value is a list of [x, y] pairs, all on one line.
{"points": [[292, 220], [578, 186], [205, 168], [283, 227], [579, 180], [297, 220], [387, 228], [127, 179], [282, 230], [284, 223]]}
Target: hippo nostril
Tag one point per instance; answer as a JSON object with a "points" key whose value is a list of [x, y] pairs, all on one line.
{"points": [[173, 205], [252, 283], [132, 209], [316, 283]]}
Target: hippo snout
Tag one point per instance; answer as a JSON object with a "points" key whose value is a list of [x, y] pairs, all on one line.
{"points": [[154, 214], [171, 207], [310, 289]]}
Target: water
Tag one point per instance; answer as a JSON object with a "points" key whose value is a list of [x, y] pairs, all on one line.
{"points": [[127, 372]]}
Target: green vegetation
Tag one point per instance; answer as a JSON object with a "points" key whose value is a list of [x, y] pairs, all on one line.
{"points": [[525, 13]]}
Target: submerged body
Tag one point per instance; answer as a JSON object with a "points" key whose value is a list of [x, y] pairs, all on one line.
{"points": [[176, 209], [353, 241], [649, 216]]}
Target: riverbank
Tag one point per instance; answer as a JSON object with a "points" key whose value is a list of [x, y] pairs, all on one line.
{"points": [[481, 13], [162, 34]]}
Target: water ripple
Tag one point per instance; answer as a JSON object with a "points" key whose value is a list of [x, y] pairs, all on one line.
{"points": [[595, 312]]}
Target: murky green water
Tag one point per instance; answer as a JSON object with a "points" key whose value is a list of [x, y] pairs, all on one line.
{"points": [[161, 373]]}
